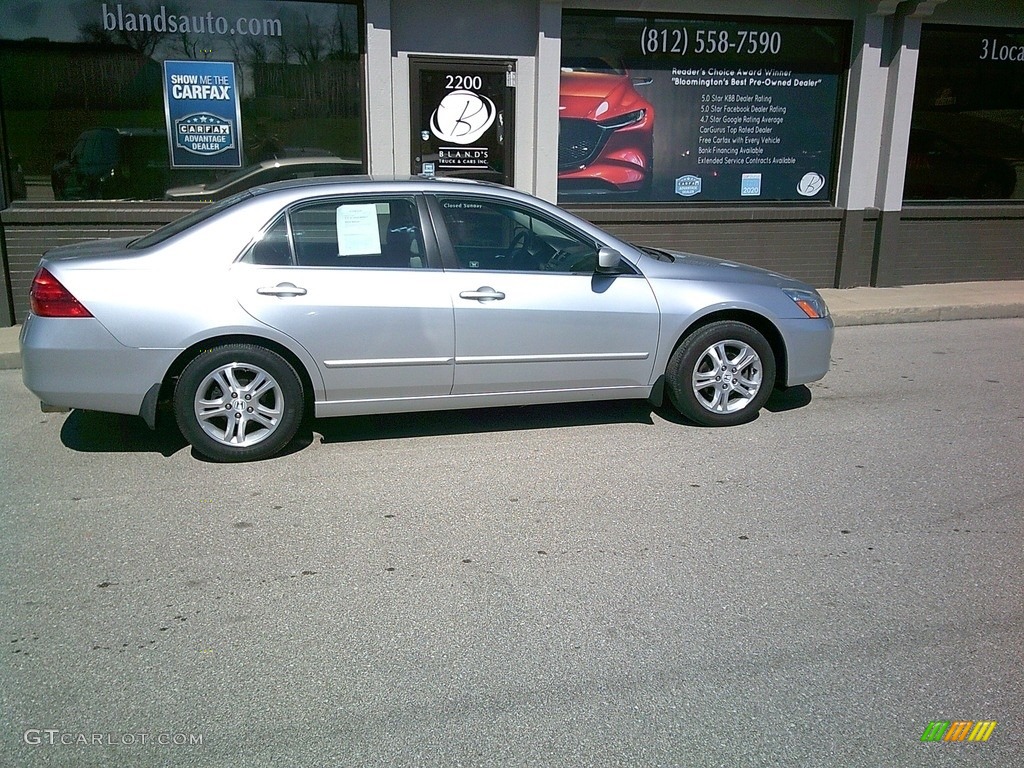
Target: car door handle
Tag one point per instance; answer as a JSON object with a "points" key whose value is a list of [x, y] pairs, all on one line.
{"points": [[282, 289], [483, 293]]}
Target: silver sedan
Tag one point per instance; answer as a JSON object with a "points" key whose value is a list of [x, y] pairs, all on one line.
{"points": [[334, 297]]}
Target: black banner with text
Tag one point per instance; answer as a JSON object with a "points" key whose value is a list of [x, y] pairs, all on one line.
{"points": [[678, 109]]}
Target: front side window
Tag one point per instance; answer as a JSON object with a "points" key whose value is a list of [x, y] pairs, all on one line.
{"points": [[497, 236], [369, 232]]}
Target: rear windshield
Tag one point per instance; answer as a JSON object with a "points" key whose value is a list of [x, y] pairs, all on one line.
{"points": [[189, 220]]}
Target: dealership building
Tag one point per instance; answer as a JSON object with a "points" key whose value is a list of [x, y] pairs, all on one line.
{"points": [[847, 143]]}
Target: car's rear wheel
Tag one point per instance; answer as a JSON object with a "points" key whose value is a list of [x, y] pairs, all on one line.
{"points": [[238, 402], [721, 374]]}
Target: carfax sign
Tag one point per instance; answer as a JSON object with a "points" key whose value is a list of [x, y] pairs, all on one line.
{"points": [[204, 126]]}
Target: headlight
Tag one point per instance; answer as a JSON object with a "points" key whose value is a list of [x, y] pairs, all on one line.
{"points": [[809, 301], [630, 118]]}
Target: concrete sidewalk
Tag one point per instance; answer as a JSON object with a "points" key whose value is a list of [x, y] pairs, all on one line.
{"points": [[849, 306], [925, 303]]}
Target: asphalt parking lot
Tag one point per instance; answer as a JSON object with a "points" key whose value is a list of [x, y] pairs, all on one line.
{"points": [[573, 585]]}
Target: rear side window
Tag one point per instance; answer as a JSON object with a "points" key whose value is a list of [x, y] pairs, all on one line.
{"points": [[381, 232], [274, 248]]}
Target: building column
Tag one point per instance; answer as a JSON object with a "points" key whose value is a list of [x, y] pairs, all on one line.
{"points": [[883, 76], [6, 294], [548, 69], [899, 56], [859, 162], [380, 124]]}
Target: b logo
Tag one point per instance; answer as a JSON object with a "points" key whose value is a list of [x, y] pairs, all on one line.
{"points": [[462, 117], [811, 184]]}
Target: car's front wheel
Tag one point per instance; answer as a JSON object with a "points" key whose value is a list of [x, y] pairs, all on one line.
{"points": [[721, 374], [238, 402]]}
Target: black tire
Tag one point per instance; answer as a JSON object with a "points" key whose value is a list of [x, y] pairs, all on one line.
{"points": [[238, 402], [721, 374]]}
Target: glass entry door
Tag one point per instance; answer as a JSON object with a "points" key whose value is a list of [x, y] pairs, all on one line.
{"points": [[462, 118]]}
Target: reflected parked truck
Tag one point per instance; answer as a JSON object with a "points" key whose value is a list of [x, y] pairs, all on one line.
{"points": [[113, 164]]}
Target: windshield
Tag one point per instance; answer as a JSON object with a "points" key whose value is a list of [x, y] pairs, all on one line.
{"points": [[189, 220], [592, 64]]}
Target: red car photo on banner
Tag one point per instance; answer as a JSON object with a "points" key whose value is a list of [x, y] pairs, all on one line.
{"points": [[605, 128]]}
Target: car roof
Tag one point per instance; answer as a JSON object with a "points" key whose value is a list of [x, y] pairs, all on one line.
{"points": [[378, 183], [295, 190]]}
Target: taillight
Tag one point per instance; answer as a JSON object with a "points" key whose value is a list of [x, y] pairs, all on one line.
{"points": [[51, 299]]}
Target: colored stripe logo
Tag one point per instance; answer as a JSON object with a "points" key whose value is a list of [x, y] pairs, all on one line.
{"points": [[959, 730]]}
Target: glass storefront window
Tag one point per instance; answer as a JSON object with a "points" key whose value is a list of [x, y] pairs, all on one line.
{"points": [[686, 110], [122, 100], [967, 132]]}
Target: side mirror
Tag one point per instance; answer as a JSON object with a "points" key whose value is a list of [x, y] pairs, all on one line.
{"points": [[608, 259]]}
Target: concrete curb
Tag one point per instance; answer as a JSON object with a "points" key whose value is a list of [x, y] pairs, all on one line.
{"points": [[893, 315], [926, 303]]}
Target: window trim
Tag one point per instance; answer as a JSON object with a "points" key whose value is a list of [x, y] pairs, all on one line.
{"points": [[447, 248], [431, 253]]}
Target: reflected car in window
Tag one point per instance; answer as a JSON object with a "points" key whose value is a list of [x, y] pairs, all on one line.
{"points": [[356, 296], [265, 172], [605, 128], [113, 164]]}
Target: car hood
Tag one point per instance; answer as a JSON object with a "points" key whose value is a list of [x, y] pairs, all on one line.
{"points": [[581, 95], [691, 266]]}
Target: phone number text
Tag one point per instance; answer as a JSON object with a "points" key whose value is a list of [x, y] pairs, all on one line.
{"points": [[677, 40]]}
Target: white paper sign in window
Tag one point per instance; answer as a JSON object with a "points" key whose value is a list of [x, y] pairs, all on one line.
{"points": [[358, 234]]}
